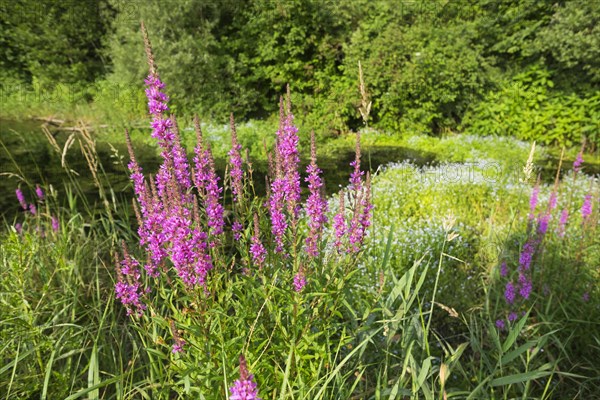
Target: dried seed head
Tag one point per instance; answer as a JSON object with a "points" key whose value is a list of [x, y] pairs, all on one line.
{"points": [[313, 148], [243, 368], [528, 169], [129, 146], [288, 100], [148, 48], [198, 130], [281, 113], [234, 138]]}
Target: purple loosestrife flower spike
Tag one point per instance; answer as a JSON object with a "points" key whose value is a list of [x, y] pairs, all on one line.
{"points": [[180, 162], [21, 198], [277, 205], [509, 293], [299, 280], [339, 224], [276, 208], [32, 209], [366, 206], [237, 229], [525, 286], [586, 208], [257, 250], [553, 200], [244, 388], [533, 201], [19, 228], [500, 324], [356, 175], [55, 224], [178, 342], [543, 223], [287, 151], [169, 230], [39, 192], [586, 297], [128, 288], [207, 183], [235, 159], [355, 233], [527, 255], [316, 206], [503, 269], [578, 162], [512, 317], [562, 223], [137, 177]]}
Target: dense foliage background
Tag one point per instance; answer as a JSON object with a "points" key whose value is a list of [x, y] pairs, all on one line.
{"points": [[519, 67]]}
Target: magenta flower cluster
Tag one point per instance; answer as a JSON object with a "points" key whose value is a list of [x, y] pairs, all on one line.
{"points": [[128, 288], [316, 206], [181, 213], [244, 388], [354, 228], [257, 250], [32, 210]]}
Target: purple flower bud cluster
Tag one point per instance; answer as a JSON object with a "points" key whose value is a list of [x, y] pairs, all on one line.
{"points": [[299, 281], [316, 206], [277, 210], [339, 224], [512, 317], [509, 293], [360, 220], [178, 342], [39, 192], [235, 160], [357, 174], [562, 223], [55, 224], [21, 198], [578, 162], [287, 154], [586, 208], [244, 388], [32, 209], [500, 324], [169, 227], [503, 269], [257, 250], [207, 182], [533, 201], [284, 198], [129, 288]]}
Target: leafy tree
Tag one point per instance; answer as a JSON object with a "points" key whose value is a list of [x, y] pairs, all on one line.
{"points": [[420, 78], [53, 42], [572, 39]]}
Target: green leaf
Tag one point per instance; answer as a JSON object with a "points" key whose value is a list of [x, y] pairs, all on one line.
{"points": [[514, 333], [517, 378]]}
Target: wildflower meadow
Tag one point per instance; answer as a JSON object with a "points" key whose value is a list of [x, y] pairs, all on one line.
{"points": [[226, 266]]}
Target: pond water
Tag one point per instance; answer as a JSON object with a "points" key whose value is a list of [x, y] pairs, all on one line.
{"points": [[27, 158]]}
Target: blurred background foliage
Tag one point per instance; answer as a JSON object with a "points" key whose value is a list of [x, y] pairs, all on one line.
{"points": [[522, 68]]}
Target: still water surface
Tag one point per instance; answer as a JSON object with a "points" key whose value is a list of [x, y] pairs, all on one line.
{"points": [[27, 158]]}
